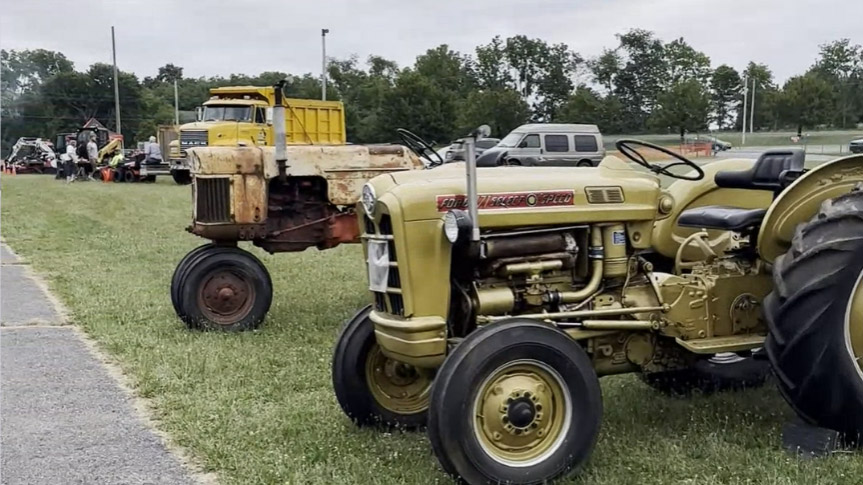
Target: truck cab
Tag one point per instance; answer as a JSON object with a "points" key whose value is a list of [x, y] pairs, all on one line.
{"points": [[243, 116]]}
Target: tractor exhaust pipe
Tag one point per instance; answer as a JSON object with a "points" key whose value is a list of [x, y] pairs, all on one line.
{"points": [[470, 161], [279, 131]]}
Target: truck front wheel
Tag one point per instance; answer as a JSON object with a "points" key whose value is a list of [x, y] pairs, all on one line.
{"points": [[181, 177], [225, 289], [815, 316]]}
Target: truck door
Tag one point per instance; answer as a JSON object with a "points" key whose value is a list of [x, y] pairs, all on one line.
{"points": [[260, 126]]}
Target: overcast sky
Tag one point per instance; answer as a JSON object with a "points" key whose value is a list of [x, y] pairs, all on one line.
{"points": [[209, 37]]}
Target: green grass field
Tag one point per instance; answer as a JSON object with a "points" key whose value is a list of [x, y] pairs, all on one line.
{"points": [[259, 408]]}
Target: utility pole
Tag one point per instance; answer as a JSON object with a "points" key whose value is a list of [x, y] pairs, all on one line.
{"points": [[116, 82], [324, 33], [743, 115], [176, 104], [752, 108]]}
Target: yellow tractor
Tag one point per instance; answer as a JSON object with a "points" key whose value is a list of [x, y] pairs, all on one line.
{"points": [[499, 298]]}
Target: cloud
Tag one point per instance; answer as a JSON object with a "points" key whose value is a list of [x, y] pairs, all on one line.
{"points": [[219, 37]]}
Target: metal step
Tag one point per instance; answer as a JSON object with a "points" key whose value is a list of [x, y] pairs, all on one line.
{"points": [[715, 345]]}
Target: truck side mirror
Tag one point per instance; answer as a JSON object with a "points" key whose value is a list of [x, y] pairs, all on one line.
{"points": [[523, 144], [269, 116], [199, 113]]}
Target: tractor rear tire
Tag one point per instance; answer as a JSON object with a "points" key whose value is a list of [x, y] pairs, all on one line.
{"points": [[710, 376], [815, 317], [224, 289], [181, 177], [372, 389]]}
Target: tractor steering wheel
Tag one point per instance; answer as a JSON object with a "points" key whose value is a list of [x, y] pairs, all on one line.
{"points": [[420, 147], [628, 148]]}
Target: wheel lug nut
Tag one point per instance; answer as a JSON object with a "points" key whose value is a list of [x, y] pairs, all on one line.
{"points": [[497, 436], [497, 390]]}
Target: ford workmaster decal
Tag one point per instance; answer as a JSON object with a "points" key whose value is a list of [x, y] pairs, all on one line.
{"points": [[508, 200]]}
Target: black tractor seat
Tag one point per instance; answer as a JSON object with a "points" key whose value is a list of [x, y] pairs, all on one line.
{"points": [[774, 170], [721, 217]]}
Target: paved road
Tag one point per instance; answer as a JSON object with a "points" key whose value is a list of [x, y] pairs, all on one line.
{"points": [[64, 419]]}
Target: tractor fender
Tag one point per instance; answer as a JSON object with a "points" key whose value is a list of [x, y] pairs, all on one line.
{"points": [[684, 195], [800, 202]]}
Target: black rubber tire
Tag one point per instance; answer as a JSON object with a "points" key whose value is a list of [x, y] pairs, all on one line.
{"points": [[806, 314], [451, 422], [179, 270], [709, 377], [130, 177], [240, 262], [97, 174], [353, 345], [181, 177], [585, 163]]}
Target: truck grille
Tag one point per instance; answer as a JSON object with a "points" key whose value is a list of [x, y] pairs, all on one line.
{"points": [[392, 301], [213, 199], [193, 138]]}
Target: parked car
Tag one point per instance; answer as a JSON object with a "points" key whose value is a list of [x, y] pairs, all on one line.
{"points": [[547, 145], [856, 146], [456, 151], [717, 144]]}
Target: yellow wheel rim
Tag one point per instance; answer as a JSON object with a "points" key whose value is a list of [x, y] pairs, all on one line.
{"points": [[522, 413], [854, 325], [396, 386]]}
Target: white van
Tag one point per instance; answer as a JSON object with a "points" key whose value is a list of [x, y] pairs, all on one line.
{"points": [[547, 145]]}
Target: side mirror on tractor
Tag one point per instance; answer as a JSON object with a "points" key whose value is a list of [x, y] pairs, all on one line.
{"points": [[269, 116], [199, 113]]}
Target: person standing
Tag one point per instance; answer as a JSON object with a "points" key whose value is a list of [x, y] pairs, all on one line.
{"points": [[92, 154], [70, 161]]}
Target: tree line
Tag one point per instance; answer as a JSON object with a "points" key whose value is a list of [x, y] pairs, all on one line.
{"points": [[642, 85]]}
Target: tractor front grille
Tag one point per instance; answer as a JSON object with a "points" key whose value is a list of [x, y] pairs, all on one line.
{"points": [[213, 199], [391, 301]]}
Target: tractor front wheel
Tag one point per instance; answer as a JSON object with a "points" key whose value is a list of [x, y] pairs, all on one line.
{"points": [[223, 288], [371, 388], [515, 402], [815, 316], [179, 275]]}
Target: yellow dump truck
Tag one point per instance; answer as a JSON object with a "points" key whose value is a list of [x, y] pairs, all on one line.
{"points": [[243, 116]]}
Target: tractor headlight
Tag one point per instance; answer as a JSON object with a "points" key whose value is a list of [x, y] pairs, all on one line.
{"points": [[369, 199], [456, 225]]}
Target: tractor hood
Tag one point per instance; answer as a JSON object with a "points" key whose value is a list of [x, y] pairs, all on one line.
{"points": [[511, 196]]}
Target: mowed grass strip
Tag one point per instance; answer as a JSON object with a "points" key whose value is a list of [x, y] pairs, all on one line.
{"points": [[258, 407]]}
